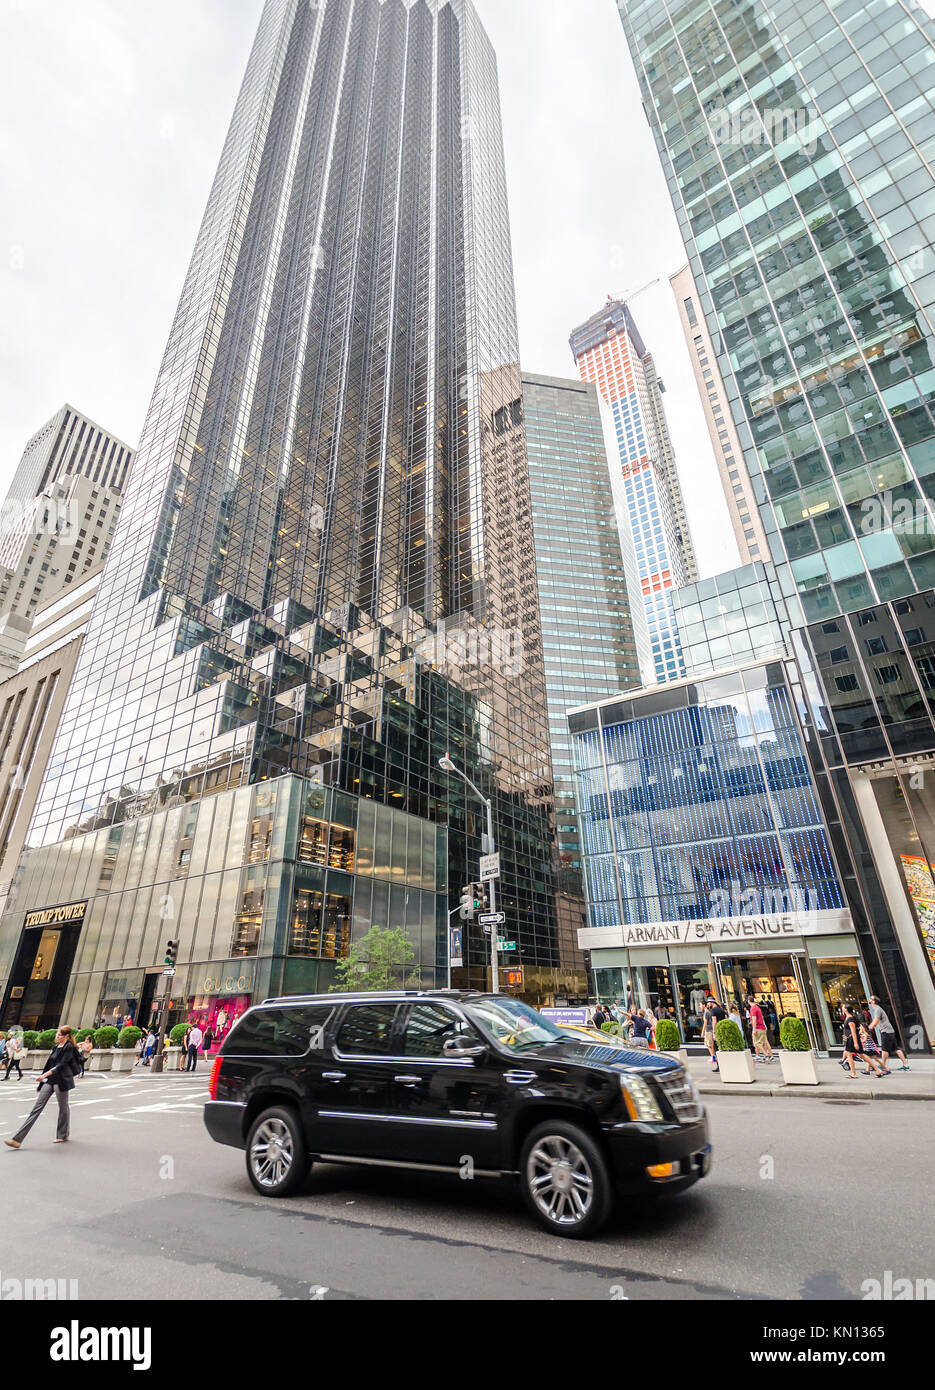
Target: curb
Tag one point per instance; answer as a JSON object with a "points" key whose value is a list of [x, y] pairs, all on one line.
{"points": [[819, 1092]]}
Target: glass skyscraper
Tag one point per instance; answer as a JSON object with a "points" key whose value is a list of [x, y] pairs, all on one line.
{"points": [[589, 648], [610, 353], [323, 577], [798, 142]]}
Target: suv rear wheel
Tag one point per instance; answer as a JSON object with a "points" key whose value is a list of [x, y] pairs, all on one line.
{"points": [[277, 1155], [565, 1180]]}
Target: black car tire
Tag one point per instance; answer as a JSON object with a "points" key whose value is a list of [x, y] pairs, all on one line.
{"points": [[565, 1180], [277, 1154]]}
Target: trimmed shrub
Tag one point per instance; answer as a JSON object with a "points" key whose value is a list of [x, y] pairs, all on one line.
{"points": [[83, 1033], [611, 1026], [177, 1033], [106, 1037], [729, 1037], [128, 1039], [793, 1035], [46, 1038], [667, 1035], [30, 1038]]}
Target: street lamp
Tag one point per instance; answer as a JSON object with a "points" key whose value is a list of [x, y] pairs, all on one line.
{"points": [[447, 765]]}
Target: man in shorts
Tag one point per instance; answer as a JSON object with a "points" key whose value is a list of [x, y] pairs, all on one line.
{"points": [[764, 1053], [886, 1034], [853, 1047]]}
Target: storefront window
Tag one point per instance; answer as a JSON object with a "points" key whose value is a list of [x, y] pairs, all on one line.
{"points": [[907, 808], [694, 984]]}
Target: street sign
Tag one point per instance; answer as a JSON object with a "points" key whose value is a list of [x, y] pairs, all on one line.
{"points": [[505, 945], [169, 970], [489, 867], [491, 919]]}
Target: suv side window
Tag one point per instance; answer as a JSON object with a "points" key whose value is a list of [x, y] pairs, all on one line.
{"points": [[366, 1029], [277, 1032], [429, 1026]]}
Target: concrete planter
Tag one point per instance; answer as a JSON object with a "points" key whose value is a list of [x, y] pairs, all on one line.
{"points": [[798, 1068], [737, 1068], [680, 1056], [124, 1059], [101, 1060]]}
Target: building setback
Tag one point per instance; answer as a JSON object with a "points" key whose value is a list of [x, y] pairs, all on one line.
{"points": [[610, 353], [323, 578]]}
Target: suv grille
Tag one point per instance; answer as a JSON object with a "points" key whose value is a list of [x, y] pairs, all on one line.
{"points": [[679, 1091]]}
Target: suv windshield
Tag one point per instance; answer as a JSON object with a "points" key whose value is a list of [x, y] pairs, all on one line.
{"points": [[514, 1025]]}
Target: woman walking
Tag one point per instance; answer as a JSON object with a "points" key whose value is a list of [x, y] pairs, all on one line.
{"points": [[58, 1075], [85, 1049], [14, 1055]]}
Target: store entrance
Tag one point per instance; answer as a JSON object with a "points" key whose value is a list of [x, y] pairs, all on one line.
{"points": [[779, 983]]}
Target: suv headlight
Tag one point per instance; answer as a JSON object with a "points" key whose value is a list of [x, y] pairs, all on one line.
{"points": [[639, 1099]]}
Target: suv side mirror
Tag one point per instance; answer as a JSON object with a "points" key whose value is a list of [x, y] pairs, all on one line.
{"points": [[454, 1047]]}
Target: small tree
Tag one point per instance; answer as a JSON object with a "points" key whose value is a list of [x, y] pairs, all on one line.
{"points": [[106, 1036], [128, 1038], [728, 1036], [376, 962], [667, 1035], [793, 1035]]}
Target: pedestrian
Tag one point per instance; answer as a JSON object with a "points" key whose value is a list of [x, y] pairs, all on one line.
{"points": [[642, 1030], [140, 1049], [150, 1048], [194, 1042], [853, 1047], [58, 1077], [735, 1016], [2, 1047], [762, 1050], [772, 1018], [707, 1032], [85, 1049], [183, 1053], [14, 1055], [209, 1039], [598, 1018], [886, 1034]]}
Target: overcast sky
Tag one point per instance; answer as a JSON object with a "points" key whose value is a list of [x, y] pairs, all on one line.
{"points": [[112, 117]]}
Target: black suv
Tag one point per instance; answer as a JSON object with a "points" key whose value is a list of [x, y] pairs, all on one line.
{"points": [[479, 1085]]}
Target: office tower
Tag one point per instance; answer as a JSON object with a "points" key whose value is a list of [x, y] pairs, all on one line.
{"points": [[31, 704], [57, 519], [610, 353], [588, 643], [738, 489], [798, 145], [323, 578]]}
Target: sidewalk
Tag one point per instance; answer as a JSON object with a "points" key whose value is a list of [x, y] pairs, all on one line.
{"points": [[834, 1084]]}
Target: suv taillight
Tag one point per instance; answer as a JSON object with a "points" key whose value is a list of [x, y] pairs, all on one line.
{"points": [[213, 1078]]}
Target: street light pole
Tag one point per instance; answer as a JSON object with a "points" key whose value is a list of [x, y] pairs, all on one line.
{"points": [[447, 765]]}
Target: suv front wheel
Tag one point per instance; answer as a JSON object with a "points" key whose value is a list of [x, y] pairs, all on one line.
{"points": [[565, 1180], [277, 1155]]}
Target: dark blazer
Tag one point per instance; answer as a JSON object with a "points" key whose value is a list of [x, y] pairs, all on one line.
{"points": [[60, 1067]]}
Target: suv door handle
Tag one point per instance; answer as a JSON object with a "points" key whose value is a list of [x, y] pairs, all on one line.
{"points": [[408, 1080], [334, 1076], [519, 1078]]}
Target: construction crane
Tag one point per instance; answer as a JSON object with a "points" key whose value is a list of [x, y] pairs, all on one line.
{"points": [[633, 294]]}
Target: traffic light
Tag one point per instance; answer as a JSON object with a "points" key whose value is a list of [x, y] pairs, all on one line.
{"points": [[474, 898], [172, 950]]}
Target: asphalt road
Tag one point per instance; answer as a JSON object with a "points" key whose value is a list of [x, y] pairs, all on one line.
{"points": [[805, 1200]]}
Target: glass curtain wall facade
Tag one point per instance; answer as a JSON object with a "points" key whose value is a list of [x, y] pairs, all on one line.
{"points": [[732, 619], [611, 354], [712, 866], [332, 474], [799, 146]]}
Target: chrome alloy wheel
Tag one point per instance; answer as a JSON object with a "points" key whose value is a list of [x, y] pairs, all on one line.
{"points": [[272, 1153], [560, 1180]]}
